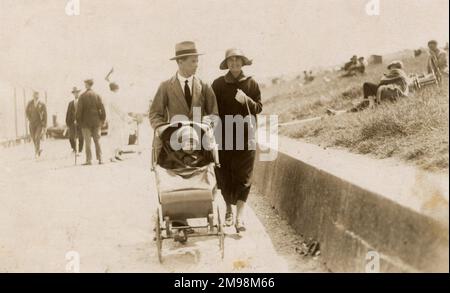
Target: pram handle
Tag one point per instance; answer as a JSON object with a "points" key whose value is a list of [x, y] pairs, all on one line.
{"points": [[153, 153]]}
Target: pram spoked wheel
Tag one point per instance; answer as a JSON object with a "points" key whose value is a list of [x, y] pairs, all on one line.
{"points": [[216, 230], [221, 234], [158, 237]]}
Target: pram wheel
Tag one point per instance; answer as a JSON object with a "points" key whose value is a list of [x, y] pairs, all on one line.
{"points": [[221, 234], [158, 237], [211, 222], [168, 230]]}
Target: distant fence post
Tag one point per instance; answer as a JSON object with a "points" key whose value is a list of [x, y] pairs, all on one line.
{"points": [[15, 113], [25, 112], [46, 104]]}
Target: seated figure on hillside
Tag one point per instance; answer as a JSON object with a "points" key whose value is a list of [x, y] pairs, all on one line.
{"points": [[393, 85], [308, 77], [353, 62], [362, 64], [354, 66]]}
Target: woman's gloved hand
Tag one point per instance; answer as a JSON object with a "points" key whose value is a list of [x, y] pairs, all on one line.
{"points": [[241, 97]]}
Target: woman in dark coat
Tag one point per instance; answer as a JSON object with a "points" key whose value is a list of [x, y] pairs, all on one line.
{"points": [[237, 97]]}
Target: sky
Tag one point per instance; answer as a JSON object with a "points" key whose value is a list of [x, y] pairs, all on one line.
{"points": [[43, 48]]}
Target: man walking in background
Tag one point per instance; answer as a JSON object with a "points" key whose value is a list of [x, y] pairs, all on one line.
{"points": [[91, 116], [71, 122], [36, 112]]}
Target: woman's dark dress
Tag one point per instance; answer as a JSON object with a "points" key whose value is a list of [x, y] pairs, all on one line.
{"points": [[234, 175]]}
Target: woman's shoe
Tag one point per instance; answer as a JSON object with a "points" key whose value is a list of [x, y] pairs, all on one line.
{"points": [[240, 227], [229, 219]]}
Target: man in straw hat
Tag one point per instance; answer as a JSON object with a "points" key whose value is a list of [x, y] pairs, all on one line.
{"points": [[71, 122], [184, 93]]}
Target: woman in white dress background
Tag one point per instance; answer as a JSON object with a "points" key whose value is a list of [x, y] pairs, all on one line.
{"points": [[117, 119]]}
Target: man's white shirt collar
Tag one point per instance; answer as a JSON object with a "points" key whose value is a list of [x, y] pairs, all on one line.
{"points": [[182, 81]]}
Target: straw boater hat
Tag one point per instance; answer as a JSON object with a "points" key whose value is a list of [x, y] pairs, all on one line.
{"points": [[89, 81], [396, 64], [185, 49], [75, 90], [234, 52]]}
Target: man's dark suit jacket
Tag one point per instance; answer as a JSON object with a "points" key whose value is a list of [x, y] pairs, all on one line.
{"points": [[71, 114], [90, 110]]}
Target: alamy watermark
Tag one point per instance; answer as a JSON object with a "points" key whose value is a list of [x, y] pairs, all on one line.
{"points": [[372, 262], [373, 8], [234, 132], [72, 7], [73, 261]]}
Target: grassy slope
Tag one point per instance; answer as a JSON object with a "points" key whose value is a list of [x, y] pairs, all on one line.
{"points": [[414, 129]]}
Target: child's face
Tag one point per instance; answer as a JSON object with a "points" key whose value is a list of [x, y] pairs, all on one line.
{"points": [[188, 146]]}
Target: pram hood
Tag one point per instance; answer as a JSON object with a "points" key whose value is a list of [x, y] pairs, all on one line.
{"points": [[163, 134]]}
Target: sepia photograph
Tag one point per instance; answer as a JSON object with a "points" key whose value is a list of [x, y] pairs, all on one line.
{"points": [[240, 137]]}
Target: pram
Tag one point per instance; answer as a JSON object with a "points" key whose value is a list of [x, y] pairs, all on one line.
{"points": [[187, 192], [419, 81]]}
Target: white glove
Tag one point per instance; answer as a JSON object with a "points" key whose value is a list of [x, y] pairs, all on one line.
{"points": [[241, 96]]}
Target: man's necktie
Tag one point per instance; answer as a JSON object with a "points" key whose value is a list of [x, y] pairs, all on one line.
{"points": [[187, 93]]}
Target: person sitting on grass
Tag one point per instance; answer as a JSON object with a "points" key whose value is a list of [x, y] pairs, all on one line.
{"points": [[308, 77], [394, 84], [354, 66], [353, 62], [361, 67]]}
